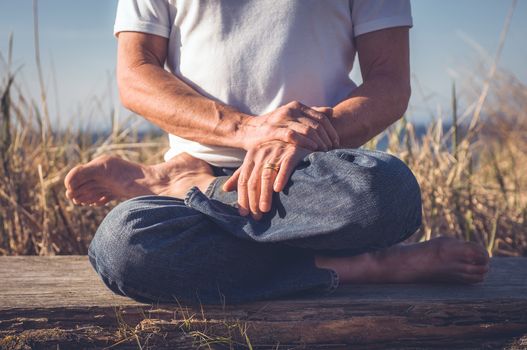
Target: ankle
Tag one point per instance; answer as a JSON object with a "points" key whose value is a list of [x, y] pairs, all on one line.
{"points": [[185, 181], [204, 182], [352, 269]]}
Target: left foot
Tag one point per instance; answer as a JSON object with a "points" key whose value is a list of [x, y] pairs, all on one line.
{"points": [[442, 259], [107, 177]]}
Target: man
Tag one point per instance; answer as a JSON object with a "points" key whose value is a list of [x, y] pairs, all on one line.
{"points": [[257, 98]]}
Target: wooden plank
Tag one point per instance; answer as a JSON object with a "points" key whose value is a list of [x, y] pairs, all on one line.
{"points": [[60, 300]]}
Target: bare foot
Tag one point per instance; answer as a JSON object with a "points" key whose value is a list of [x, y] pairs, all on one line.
{"points": [[442, 259], [107, 177]]}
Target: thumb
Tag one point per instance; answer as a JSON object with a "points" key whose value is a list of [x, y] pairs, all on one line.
{"points": [[232, 182]]}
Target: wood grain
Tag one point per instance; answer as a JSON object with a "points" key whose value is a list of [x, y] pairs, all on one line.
{"points": [[45, 301]]}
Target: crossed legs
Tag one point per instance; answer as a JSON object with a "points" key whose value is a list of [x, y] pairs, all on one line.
{"points": [[442, 259]]}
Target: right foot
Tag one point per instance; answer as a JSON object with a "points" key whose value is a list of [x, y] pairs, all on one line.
{"points": [[441, 259], [107, 177]]}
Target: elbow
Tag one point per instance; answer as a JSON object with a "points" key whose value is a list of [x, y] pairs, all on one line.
{"points": [[401, 98], [126, 101], [125, 87]]}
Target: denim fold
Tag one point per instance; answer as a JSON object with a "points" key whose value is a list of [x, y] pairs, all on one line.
{"points": [[199, 249]]}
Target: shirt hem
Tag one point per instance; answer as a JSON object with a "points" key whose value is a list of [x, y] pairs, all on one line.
{"points": [[142, 27], [383, 23]]}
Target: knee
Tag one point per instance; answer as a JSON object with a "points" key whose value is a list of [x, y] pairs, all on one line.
{"points": [[387, 188], [132, 247], [399, 196], [112, 248]]}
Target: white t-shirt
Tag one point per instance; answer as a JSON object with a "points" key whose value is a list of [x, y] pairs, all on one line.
{"points": [[257, 55]]}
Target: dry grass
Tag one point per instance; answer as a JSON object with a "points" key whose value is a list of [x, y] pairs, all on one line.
{"points": [[473, 181], [35, 216], [473, 175]]}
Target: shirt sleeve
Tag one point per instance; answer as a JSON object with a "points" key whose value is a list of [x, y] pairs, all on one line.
{"points": [[145, 16], [371, 15]]}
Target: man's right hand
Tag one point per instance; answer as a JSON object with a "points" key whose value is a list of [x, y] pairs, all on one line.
{"points": [[293, 123]]}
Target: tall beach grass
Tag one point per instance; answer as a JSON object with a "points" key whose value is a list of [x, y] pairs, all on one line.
{"points": [[473, 177], [473, 172]]}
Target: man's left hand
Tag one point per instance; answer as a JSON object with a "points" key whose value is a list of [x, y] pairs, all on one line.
{"points": [[255, 182]]}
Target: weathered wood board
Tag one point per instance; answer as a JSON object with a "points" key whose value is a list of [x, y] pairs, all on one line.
{"points": [[50, 301]]}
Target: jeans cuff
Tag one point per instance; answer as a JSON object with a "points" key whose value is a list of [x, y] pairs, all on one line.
{"points": [[212, 186], [189, 195], [334, 284]]}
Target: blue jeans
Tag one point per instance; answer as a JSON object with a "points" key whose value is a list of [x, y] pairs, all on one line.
{"points": [[200, 250]]}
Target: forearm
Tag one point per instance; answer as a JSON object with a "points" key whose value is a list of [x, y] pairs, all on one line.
{"points": [[165, 100], [369, 109]]}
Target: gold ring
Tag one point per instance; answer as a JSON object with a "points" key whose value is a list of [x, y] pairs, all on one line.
{"points": [[273, 166]]}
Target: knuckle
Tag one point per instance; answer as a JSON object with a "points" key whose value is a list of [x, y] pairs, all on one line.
{"points": [[267, 175], [317, 115], [288, 112], [284, 110], [242, 180], [305, 128], [290, 134], [253, 185], [294, 104]]}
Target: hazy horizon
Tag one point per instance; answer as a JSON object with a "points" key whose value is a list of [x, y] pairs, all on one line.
{"points": [[448, 42]]}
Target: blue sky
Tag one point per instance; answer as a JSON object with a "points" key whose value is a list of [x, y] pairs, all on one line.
{"points": [[78, 50]]}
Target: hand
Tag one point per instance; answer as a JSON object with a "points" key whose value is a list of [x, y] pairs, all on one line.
{"points": [[256, 184], [294, 123]]}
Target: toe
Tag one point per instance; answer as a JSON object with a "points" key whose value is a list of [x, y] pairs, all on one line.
{"points": [[91, 191], [82, 173], [85, 186], [103, 200], [473, 269], [75, 178], [90, 198], [72, 174], [475, 254], [470, 278]]}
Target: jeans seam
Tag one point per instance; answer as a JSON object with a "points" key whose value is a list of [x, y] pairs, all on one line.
{"points": [[212, 187], [189, 195], [335, 282]]}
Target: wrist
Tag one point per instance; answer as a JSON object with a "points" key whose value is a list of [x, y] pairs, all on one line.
{"points": [[244, 131], [231, 125]]}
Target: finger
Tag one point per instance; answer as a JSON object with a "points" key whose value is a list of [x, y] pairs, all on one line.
{"points": [[296, 138], [254, 191], [310, 132], [232, 181], [243, 201], [328, 126], [308, 126], [318, 129], [266, 189], [286, 169]]}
